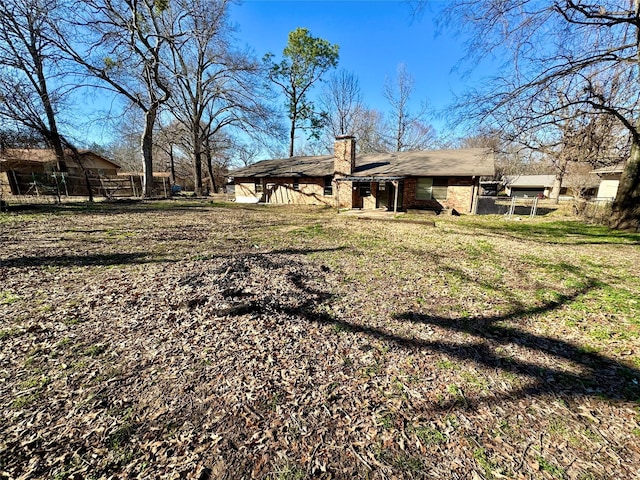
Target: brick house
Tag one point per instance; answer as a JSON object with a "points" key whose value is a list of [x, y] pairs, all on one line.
{"points": [[430, 179]]}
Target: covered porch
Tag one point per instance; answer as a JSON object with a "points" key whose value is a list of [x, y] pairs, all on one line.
{"points": [[369, 193]]}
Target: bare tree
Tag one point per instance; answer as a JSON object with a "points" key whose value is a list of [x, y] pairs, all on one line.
{"points": [[579, 179], [30, 88], [121, 43], [244, 154], [409, 129], [590, 49], [216, 87], [341, 99], [369, 128]]}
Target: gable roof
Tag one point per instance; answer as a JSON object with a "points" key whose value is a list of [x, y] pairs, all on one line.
{"points": [[43, 156], [425, 163]]}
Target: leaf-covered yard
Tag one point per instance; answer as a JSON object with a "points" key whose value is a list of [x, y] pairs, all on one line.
{"points": [[199, 340]]}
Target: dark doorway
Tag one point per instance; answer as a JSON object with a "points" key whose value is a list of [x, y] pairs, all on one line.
{"points": [[387, 195]]}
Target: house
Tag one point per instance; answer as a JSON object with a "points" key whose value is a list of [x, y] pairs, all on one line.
{"points": [[37, 171], [430, 179], [530, 185], [40, 160], [609, 181]]}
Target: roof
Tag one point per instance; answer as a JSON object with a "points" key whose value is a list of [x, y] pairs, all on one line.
{"points": [[425, 163], [45, 155], [529, 180], [618, 168]]}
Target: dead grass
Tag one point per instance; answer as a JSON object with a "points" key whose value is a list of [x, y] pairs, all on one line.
{"points": [[203, 340]]}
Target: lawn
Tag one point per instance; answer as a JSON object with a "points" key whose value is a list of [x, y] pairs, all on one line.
{"points": [[207, 341]]}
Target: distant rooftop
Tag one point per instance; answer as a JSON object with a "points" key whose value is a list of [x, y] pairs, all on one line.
{"points": [[529, 180]]}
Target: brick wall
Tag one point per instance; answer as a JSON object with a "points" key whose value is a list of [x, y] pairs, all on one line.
{"points": [[342, 194], [280, 191], [344, 152], [459, 195]]}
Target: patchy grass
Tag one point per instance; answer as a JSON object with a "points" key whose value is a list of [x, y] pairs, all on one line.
{"points": [[285, 343]]}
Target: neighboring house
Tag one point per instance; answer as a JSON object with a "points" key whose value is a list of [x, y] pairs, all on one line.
{"points": [[609, 181], [37, 171], [38, 161], [530, 186], [431, 179]]}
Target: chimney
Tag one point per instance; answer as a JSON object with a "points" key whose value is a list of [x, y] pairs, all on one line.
{"points": [[344, 162]]}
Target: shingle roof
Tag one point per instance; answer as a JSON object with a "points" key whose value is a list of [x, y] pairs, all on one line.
{"points": [[44, 156], [426, 163]]}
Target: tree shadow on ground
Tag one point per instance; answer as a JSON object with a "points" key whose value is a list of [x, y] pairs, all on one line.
{"points": [[556, 232], [600, 377], [110, 259], [567, 370]]}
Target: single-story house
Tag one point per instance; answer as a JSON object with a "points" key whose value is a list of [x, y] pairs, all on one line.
{"points": [[530, 185], [609, 181], [40, 160], [38, 172], [430, 179]]}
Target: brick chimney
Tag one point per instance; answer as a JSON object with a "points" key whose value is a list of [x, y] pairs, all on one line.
{"points": [[344, 162]]}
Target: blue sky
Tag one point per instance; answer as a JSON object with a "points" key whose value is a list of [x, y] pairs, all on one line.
{"points": [[374, 38]]}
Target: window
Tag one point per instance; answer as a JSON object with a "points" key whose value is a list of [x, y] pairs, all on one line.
{"points": [[365, 189], [328, 186], [439, 189], [423, 189], [432, 188], [258, 186], [296, 184]]}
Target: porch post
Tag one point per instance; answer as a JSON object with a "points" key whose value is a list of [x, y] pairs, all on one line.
{"points": [[396, 184]]}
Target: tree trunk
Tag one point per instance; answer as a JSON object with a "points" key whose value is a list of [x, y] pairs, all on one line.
{"points": [[625, 213], [147, 152], [555, 189], [207, 150], [173, 165], [197, 161], [210, 170], [53, 136], [561, 168], [292, 135]]}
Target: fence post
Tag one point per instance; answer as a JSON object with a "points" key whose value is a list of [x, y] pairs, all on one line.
{"points": [[66, 189], [534, 208], [15, 179], [512, 207], [35, 184]]}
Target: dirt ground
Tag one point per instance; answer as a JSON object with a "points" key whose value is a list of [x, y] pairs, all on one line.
{"points": [[208, 341]]}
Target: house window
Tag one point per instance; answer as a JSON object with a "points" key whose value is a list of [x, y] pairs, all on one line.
{"points": [[424, 188], [439, 189], [296, 184], [365, 189], [432, 188], [258, 187], [328, 186]]}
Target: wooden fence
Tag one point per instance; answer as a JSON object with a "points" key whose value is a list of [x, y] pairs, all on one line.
{"points": [[61, 184]]}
